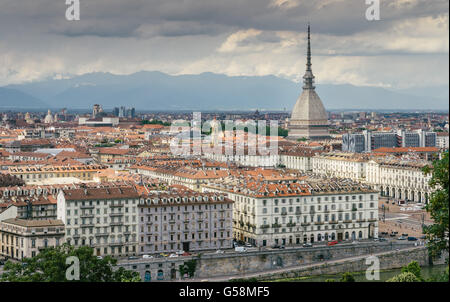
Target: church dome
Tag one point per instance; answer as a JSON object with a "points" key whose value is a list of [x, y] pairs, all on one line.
{"points": [[309, 107]]}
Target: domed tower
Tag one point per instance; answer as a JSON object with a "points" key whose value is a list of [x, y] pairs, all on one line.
{"points": [[48, 118], [309, 118]]}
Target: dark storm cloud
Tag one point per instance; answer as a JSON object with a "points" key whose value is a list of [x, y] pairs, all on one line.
{"points": [[123, 18]]}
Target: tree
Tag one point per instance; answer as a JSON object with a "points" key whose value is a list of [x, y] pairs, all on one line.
{"points": [[50, 266], [438, 207], [414, 268], [404, 277], [347, 277]]}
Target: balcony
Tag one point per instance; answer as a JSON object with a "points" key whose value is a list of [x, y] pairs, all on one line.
{"points": [[347, 221], [87, 225], [116, 223], [284, 213], [372, 219], [361, 220], [291, 224], [86, 207], [333, 222], [102, 234], [116, 205], [298, 213], [264, 226], [318, 222], [276, 225], [87, 216], [305, 224], [116, 214]]}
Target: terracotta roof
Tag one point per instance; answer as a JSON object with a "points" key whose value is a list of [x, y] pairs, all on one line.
{"points": [[34, 223]]}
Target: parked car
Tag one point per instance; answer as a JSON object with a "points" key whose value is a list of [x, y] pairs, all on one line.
{"points": [[307, 244], [405, 235], [164, 255], [186, 254], [173, 255], [401, 238], [275, 246], [180, 252], [99, 257], [248, 245], [133, 258], [240, 249], [423, 237], [412, 238], [331, 243], [382, 239], [355, 242], [147, 256], [219, 252]]}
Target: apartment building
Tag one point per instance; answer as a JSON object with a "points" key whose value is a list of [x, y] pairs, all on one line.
{"points": [[184, 220], [28, 202], [400, 179], [21, 238], [340, 165], [104, 218], [296, 213], [55, 174]]}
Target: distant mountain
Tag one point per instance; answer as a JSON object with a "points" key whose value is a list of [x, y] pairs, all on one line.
{"points": [[13, 98], [208, 91]]}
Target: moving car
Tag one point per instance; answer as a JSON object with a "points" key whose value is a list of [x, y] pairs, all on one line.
{"points": [[186, 254], [219, 252], [412, 238], [401, 238], [331, 243], [173, 255], [179, 252], [307, 244], [248, 245], [147, 257], [133, 258]]}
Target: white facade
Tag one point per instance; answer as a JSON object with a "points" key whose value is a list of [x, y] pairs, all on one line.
{"points": [[292, 220], [404, 182], [109, 225]]}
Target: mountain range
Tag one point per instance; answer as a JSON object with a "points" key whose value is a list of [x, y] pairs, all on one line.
{"points": [[151, 90]]}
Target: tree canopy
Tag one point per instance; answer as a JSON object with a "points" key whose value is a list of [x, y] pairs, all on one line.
{"points": [[50, 266], [438, 207]]}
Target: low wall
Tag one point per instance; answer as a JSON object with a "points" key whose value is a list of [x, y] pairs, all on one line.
{"points": [[389, 260], [253, 262]]}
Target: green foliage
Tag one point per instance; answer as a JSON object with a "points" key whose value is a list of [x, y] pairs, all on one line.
{"points": [[330, 280], [438, 207], [188, 267], [404, 277], [347, 277], [50, 266], [414, 268]]}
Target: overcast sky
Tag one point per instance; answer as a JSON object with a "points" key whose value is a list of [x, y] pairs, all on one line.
{"points": [[408, 47]]}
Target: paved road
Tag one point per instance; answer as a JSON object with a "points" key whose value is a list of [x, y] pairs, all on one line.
{"points": [[284, 270]]}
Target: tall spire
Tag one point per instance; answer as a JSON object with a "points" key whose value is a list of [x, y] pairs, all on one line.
{"points": [[308, 78]]}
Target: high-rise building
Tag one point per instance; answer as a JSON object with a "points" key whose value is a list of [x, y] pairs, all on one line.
{"points": [[309, 118]]}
